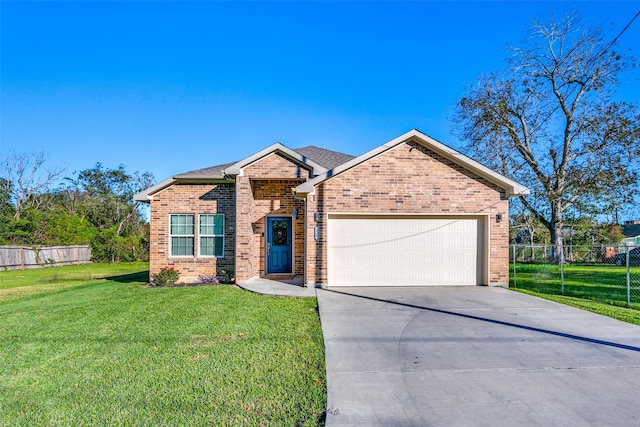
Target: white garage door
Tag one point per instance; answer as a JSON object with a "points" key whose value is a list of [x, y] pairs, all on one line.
{"points": [[404, 250]]}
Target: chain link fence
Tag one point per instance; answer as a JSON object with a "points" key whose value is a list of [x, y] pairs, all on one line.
{"points": [[605, 273]]}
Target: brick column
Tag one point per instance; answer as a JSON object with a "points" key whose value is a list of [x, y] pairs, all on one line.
{"points": [[244, 231]]}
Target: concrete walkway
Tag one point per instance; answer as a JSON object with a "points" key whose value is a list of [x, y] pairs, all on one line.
{"points": [[290, 288], [474, 356]]}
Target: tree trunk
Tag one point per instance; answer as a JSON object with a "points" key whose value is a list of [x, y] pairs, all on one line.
{"points": [[555, 229], [126, 218], [533, 252]]}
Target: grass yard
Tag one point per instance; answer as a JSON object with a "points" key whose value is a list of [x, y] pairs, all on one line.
{"points": [[601, 289], [90, 345]]}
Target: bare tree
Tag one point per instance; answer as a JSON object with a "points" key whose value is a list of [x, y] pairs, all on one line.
{"points": [[551, 122], [26, 178]]}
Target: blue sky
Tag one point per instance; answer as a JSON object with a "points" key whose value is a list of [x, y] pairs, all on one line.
{"points": [[169, 87]]}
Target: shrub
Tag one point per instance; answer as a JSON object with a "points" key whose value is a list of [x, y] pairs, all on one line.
{"points": [[107, 246], [209, 279], [227, 276], [168, 276]]}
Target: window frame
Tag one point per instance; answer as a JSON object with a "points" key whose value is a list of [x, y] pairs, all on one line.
{"points": [[192, 236], [201, 235]]}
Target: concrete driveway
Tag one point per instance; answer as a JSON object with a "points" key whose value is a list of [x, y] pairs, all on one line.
{"points": [[474, 356]]}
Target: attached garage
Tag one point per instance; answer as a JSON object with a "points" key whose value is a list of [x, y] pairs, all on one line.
{"points": [[412, 212], [406, 250]]}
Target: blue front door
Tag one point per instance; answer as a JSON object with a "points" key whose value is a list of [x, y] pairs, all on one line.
{"points": [[279, 253]]}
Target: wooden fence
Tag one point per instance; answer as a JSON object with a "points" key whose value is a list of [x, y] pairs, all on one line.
{"points": [[22, 257]]}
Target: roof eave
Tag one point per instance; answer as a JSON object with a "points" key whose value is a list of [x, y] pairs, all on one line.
{"points": [[207, 178], [147, 195], [511, 187], [520, 191], [236, 169]]}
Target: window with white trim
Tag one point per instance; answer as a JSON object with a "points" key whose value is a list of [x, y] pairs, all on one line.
{"points": [[211, 234], [182, 236]]}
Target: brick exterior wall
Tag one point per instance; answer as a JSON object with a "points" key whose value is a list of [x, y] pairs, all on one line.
{"points": [[192, 199], [264, 189], [277, 166], [408, 179]]}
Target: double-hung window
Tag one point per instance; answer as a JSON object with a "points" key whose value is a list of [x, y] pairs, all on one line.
{"points": [[182, 235], [211, 234]]}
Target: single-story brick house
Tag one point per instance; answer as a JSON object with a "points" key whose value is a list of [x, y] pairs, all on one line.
{"points": [[410, 212]]}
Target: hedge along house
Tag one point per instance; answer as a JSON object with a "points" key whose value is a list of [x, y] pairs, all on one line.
{"points": [[411, 212]]}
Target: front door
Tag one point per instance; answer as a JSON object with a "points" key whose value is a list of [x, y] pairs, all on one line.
{"points": [[279, 253]]}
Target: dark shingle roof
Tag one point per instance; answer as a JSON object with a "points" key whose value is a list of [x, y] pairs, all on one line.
{"points": [[325, 158], [631, 230], [212, 171]]}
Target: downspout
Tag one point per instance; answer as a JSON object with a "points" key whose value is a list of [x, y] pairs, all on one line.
{"points": [[304, 237], [234, 179]]}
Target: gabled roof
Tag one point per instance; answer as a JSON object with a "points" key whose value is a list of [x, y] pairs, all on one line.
{"points": [[318, 159], [511, 187], [210, 172], [236, 168], [326, 158]]}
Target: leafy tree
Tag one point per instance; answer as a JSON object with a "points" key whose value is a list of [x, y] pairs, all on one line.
{"points": [[551, 122], [55, 225], [105, 198], [108, 197], [588, 231], [95, 208], [6, 208], [7, 211], [107, 246]]}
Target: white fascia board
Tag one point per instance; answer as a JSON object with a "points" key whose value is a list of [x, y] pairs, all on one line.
{"points": [[236, 169], [512, 187], [201, 178], [147, 195]]}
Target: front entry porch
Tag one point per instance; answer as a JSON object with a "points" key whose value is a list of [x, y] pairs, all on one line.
{"points": [[291, 288]]}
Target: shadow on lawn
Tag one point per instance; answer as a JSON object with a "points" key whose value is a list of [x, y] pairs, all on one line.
{"points": [[140, 276]]}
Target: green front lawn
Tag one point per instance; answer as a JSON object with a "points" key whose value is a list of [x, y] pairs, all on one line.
{"points": [[598, 288], [90, 345]]}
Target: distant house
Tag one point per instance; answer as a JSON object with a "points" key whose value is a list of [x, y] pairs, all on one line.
{"points": [[410, 212], [631, 231], [631, 228]]}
